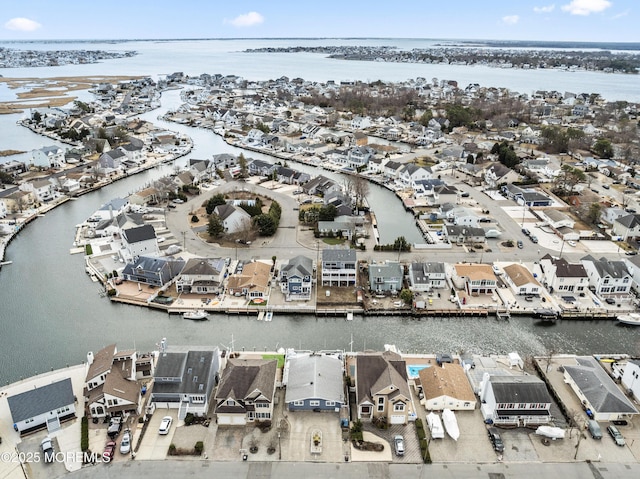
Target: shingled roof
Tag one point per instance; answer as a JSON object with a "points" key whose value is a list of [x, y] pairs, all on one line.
{"points": [[40, 400]]}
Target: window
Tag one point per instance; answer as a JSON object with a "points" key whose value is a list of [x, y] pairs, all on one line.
{"points": [[380, 404], [366, 410], [298, 403], [398, 407], [231, 402], [314, 403], [329, 403]]}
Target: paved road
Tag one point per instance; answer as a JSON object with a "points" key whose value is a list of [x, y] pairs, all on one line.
{"points": [[204, 468]]}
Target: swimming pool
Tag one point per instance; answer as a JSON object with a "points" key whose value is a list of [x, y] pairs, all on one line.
{"points": [[414, 369]]}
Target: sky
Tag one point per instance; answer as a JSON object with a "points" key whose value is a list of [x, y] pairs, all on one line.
{"points": [[542, 20]]}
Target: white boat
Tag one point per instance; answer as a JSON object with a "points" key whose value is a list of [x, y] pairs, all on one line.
{"points": [[349, 316], [450, 424], [632, 319], [435, 426], [550, 432], [197, 315], [268, 316]]}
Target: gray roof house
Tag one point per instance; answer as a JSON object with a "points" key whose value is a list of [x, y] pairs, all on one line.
{"points": [[43, 407], [339, 267], [202, 276], [607, 277], [314, 382], [184, 379], [515, 400], [427, 276], [385, 277], [152, 270], [296, 278], [627, 227], [597, 391]]}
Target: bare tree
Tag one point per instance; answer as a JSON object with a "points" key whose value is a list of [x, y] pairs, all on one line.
{"points": [[358, 187]]}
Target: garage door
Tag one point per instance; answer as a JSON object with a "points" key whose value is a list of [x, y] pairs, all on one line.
{"points": [[397, 419], [231, 420]]}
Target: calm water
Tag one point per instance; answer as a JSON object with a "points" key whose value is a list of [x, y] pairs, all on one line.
{"points": [[51, 314]]}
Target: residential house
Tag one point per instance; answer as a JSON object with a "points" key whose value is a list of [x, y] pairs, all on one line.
{"points": [[385, 277], [19, 200], [459, 215], [42, 190], [140, 240], [360, 122], [520, 280], [496, 174], [152, 270], [562, 276], [412, 173], [296, 278], [233, 219], [185, 378], [464, 234], [147, 196], [111, 161], [315, 382], [134, 152], [359, 156], [339, 267], [607, 277], [627, 227], [110, 385], [520, 400], [202, 276], [52, 156], [425, 277], [392, 169], [476, 279], [559, 222], [446, 386], [597, 391], [609, 215], [341, 227], [526, 196], [320, 185], [252, 283], [382, 391], [631, 378], [246, 391], [43, 407]]}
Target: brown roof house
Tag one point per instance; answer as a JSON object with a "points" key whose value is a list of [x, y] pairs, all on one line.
{"points": [[476, 279], [382, 391], [110, 386], [246, 390], [521, 280], [446, 386], [252, 283]]}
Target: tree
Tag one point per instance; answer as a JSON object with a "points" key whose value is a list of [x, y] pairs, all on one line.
{"points": [[595, 209], [266, 225], [603, 148], [357, 186], [401, 244], [426, 118], [214, 201], [37, 117], [242, 163], [216, 227], [327, 213], [406, 295], [568, 178]]}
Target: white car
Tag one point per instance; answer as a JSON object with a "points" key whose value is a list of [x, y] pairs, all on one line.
{"points": [[47, 449], [496, 270], [125, 444], [571, 243], [165, 425]]}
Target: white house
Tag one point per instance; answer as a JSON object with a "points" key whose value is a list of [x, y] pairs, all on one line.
{"points": [[560, 275], [202, 276], [631, 378], [412, 173], [339, 267], [446, 386], [627, 227], [520, 280], [140, 241], [52, 156], [427, 276], [607, 277], [42, 190], [233, 219]]}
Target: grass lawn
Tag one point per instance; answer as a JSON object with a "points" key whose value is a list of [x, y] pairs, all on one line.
{"points": [[279, 357], [333, 241]]}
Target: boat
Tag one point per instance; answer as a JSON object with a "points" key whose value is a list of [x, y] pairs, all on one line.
{"points": [[349, 316], [268, 316], [450, 424], [197, 315], [632, 319], [545, 314], [550, 432], [435, 426]]}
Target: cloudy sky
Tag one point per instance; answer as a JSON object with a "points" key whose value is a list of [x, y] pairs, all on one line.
{"points": [[571, 20]]}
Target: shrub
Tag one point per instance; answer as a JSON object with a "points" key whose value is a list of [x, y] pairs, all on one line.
{"points": [[84, 434], [188, 419], [195, 219], [172, 449], [88, 250], [198, 448]]}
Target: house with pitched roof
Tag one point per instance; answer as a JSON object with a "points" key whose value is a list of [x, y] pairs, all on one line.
{"points": [[184, 379], [385, 277], [234, 219], [519, 400], [597, 391], [526, 196], [607, 277], [631, 378], [43, 407], [146, 196], [296, 278], [425, 277], [202, 276], [42, 190], [252, 283], [562, 276], [520, 280], [246, 391], [51, 155], [314, 382], [339, 267], [152, 270], [476, 279], [446, 386], [382, 391], [140, 240], [627, 227]]}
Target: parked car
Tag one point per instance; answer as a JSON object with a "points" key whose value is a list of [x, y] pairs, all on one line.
{"points": [[178, 201], [496, 270], [165, 425], [526, 232], [109, 450], [606, 187], [398, 442], [610, 301], [520, 244], [496, 440], [616, 435], [465, 195], [571, 243], [47, 449], [594, 429], [115, 426], [533, 238], [528, 298], [125, 444]]}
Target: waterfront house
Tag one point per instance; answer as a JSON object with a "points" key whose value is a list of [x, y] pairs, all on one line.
{"points": [[19, 200], [464, 234], [596, 390], [562, 276], [110, 384], [314, 382], [146, 196], [320, 185], [382, 391], [385, 277], [111, 161], [627, 227], [607, 277], [341, 227], [152, 270], [134, 152], [412, 173], [52, 156], [392, 169], [424, 277], [631, 378], [476, 279], [246, 391], [185, 378], [111, 209], [42, 190], [520, 280], [43, 407], [140, 240], [202, 276], [359, 156], [459, 215], [446, 386], [252, 283], [339, 267], [526, 196], [261, 168], [296, 278], [233, 219], [521, 400]]}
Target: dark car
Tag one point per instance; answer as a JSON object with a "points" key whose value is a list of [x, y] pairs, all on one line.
{"points": [[109, 451], [115, 426], [610, 301], [496, 440], [47, 449], [520, 244], [465, 195], [526, 232]]}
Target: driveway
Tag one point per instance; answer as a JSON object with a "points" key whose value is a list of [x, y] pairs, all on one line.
{"points": [[154, 445]]}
